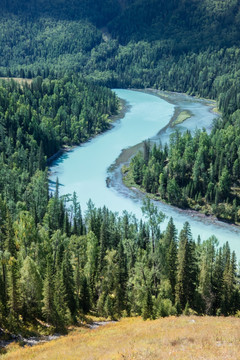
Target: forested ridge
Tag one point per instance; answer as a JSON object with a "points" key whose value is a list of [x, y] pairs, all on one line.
{"points": [[57, 264]]}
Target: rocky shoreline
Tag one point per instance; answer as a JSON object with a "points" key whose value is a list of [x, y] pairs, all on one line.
{"points": [[35, 340]]}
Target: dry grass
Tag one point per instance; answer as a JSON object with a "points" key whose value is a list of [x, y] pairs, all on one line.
{"points": [[172, 338], [19, 80]]}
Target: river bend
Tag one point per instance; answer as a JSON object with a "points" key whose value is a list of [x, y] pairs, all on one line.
{"points": [[85, 169]]}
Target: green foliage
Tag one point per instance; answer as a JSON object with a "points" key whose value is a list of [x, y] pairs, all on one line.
{"points": [[54, 262], [147, 306], [57, 276], [36, 120], [31, 288], [195, 171]]}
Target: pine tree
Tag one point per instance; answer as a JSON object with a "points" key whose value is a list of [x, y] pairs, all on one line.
{"points": [[13, 286], [207, 260], [68, 281], [3, 257], [217, 281], [122, 277], [147, 307], [103, 245], [84, 296], [10, 244], [228, 290], [31, 288], [62, 312], [170, 253], [12, 270], [187, 270], [91, 265], [48, 293]]}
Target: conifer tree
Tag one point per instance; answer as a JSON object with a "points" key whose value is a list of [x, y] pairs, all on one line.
{"points": [[104, 239], [31, 288], [147, 307], [206, 265], [84, 296], [62, 312], [68, 281], [170, 253], [218, 280], [13, 286], [228, 290], [12, 270], [91, 265], [3, 260], [121, 280], [48, 293], [187, 269]]}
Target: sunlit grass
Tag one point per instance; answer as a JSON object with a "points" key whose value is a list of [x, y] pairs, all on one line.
{"points": [[134, 339], [184, 115]]}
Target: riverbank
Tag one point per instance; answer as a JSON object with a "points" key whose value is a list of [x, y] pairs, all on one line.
{"points": [[193, 208], [174, 99], [124, 107], [7, 340], [222, 212], [179, 116], [85, 169]]}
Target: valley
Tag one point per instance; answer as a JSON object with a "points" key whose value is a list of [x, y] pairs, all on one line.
{"points": [[76, 241]]}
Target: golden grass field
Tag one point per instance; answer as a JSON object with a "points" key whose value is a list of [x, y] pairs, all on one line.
{"points": [[134, 339]]}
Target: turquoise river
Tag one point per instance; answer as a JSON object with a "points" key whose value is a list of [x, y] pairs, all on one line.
{"points": [[92, 170]]}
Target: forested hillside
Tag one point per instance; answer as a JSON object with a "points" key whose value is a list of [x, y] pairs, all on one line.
{"points": [[57, 264], [35, 122]]}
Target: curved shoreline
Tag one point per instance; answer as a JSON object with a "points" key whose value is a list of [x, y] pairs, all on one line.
{"points": [[189, 211], [115, 176], [123, 109], [86, 171], [169, 97]]}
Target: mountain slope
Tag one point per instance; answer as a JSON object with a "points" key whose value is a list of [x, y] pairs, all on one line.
{"points": [[172, 338], [189, 24]]}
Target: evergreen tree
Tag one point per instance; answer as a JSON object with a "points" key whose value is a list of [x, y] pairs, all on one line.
{"points": [[31, 289], [68, 281], [206, 266], [121, 280], [91, 265], [147, 307], [228, 290], [48, 293], [62, 312], [170, 253], [187, 269]]}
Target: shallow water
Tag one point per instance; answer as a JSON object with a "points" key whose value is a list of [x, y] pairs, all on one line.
{"points": [[85, 169]]}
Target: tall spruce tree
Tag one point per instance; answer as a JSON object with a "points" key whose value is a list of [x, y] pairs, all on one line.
{"points": [[170, 254], [48, 308], [68, 280], [187, 269]]}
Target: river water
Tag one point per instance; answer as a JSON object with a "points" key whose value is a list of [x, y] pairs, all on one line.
{"points": [[85, 169]]}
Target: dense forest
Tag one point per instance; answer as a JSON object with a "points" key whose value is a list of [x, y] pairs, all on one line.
{"points": [[63, 267], [55, 263], [35, 122], [200, 171]]}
